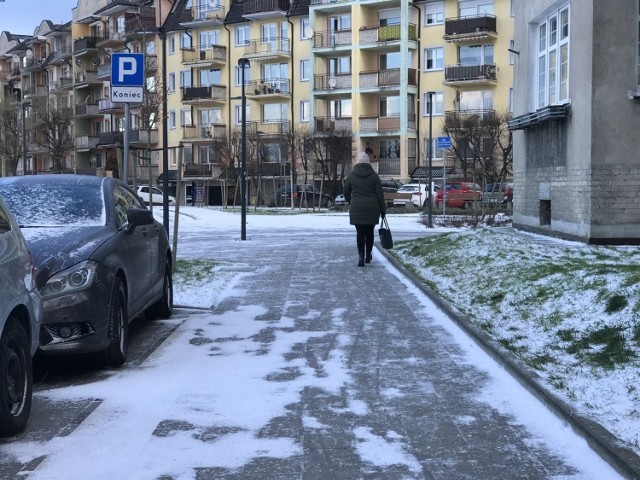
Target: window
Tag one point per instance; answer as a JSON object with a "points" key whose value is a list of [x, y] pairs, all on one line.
{"points": [[185, 78], [171, 83], [210, 77], [553, 59], [150, 48], [209, 38], [210, 116], [238, 114], [340, 108], [305, 29], [185, 117], [172, 119], [172, 44], [511, 100], [274, 112], [305, 70], [438, 104], [434, 13], [476, 55], [338, 65], [238, 75], [476, 100], [438, 153], [208, 154], [389, 106], [433, 58], [304, 111], [512, 56], [242, 35], [474, 8], [185, 41]]}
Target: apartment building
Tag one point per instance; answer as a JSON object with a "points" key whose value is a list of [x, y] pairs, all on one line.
{"points": [[366, 69], [577, 118]]}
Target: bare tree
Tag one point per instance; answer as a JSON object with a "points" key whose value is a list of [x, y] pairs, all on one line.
{"points": [[50, 127], [333, 152], [10, 139], [228, 158]]}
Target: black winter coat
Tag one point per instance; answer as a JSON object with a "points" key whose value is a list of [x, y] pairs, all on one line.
{"points": [[363, 191]]}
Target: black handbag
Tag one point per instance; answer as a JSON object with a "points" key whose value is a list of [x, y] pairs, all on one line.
{"points": [[386, 240]]}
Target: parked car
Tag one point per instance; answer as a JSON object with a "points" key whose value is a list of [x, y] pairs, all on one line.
{"points": [[498, 193], [20, 310], [418, 193], [391, 186], [101, 260], [459, 194], [340, 200], [303, 196], [144, 191]]}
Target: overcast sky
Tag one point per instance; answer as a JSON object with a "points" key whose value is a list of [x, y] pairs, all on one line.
{"points": [[23, 16]]}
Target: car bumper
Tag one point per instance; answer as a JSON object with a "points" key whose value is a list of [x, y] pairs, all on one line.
{"points": [[78, 322]]}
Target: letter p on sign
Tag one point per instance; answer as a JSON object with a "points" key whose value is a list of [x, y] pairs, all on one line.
{"points": [[127, 66]]}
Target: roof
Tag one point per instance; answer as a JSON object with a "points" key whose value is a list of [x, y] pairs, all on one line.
{"points": [[235, 13], [179, 14], [422, 173], [299, 8]]}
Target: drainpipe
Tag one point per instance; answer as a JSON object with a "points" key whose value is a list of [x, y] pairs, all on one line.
{"points": [[419, 99], [229, 124]]}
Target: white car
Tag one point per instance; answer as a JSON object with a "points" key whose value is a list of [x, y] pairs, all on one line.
{"points": [[144, 191], [418, 193], [340, 200], [20, 317]]}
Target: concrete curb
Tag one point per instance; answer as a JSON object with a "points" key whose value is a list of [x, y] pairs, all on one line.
{"points": [[611, 449]]}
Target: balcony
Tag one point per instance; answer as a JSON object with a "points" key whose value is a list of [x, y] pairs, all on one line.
{"points": [[212, 56], [332, 39], [150, 64], [204, 133], [86, 78], [382, 36], [59, 57], [61, 84], [457, 119], [35, 91], [104, 71], [480, 75], [470, 29], [332, 83], [389, 78], [268, 50], [86, 110], [210, 94], [206, 15], [264, 9], [373, 125], [30, 64], [332, 124], [143, 137], [110, 139], [269, 128], [268, 169], [199, 170], [107, 106], [272, 88], [84, 45], [112, 38], [84, 143], [326, 2]]}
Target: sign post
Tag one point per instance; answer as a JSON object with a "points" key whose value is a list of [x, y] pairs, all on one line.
{"points": [[444, 142], [127, 86]]}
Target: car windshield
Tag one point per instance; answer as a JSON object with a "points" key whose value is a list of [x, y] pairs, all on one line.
{"points": [[408, 188], [46, 204]]}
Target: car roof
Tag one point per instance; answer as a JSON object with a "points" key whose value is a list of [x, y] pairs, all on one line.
{"points": [[63, 179]]}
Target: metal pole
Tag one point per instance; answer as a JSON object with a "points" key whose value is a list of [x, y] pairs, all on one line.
{"points": [[430, 95], [243, 63], [165, 134], [24, 138], [125, 159]]}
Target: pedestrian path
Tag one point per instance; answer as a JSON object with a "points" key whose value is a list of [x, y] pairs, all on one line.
{"points": [[383, 387]]}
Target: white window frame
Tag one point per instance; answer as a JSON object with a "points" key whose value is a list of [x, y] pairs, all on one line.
{"points": [[184, 74], [438, 58], [305, 24], [171, 82], [172, 119], [305, 73], [242, 35], [438, 153], [184, 121], [238, 113], [304, 111], [512, 55], [172, 44], [552, 45], [434, 13], [238, 76], [185, 41], [438, 100]]}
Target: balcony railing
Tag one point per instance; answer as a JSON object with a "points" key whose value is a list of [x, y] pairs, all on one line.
{"points": [[104, 71], [332, 38], [204, 132], [386, 78], [253, 7], [269, 127], [210, 54], [467, 73], [110, 139], [333, 124], [455, 119], [143, 137], [204, 94], [276, 86], [268, 48], [390, 123], [386, 33], [204, 12], [469, 25], [86, 110], [332, 82], [85, 142], [106, 106], [84, 43], [198, 170], [87, 76]]}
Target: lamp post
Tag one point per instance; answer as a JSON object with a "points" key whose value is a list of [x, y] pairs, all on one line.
{"points": [[25, 105], [243, 63], [429, 185]]}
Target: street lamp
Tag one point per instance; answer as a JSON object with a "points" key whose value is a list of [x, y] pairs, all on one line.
{"points": [[25, 105], [243, 63], [429, 187]]}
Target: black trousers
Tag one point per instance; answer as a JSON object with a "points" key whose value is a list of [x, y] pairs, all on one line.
{"points": [[364, 238]]}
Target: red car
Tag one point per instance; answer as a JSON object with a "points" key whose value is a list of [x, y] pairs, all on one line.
{"points": [[459, 194]]}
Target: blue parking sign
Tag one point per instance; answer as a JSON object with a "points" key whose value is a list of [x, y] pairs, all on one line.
{"points": [[127, 69]]}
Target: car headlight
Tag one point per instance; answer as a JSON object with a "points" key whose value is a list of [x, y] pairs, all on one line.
{"points": [[74, 279]]}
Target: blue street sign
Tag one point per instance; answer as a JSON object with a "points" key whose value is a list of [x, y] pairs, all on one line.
{"points": [[127, 70], [444, 142]]}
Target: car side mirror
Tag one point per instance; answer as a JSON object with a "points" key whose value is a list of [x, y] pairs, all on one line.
{"points": [[138, 217]]}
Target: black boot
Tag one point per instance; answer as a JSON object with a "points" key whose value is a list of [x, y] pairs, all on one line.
{"points": [[368, 259], [361, 260]]}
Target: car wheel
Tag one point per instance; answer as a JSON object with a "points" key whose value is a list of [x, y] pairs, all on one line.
{"points": [[118, 327], [16, 379], [163, 308]]}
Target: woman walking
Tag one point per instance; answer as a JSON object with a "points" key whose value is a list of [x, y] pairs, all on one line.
{"points": [[363, 191]]}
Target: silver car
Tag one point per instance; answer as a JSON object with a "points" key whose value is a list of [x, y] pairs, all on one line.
{"points": [[20, 311]]}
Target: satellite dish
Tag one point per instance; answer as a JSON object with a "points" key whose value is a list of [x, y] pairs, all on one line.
{"points": [[96, 61], [16, 58], [79, 62], [333, 82], [308, 31]]}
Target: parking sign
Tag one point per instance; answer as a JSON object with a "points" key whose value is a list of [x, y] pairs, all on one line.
{"points": [[127, 77], [444, 142]]}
